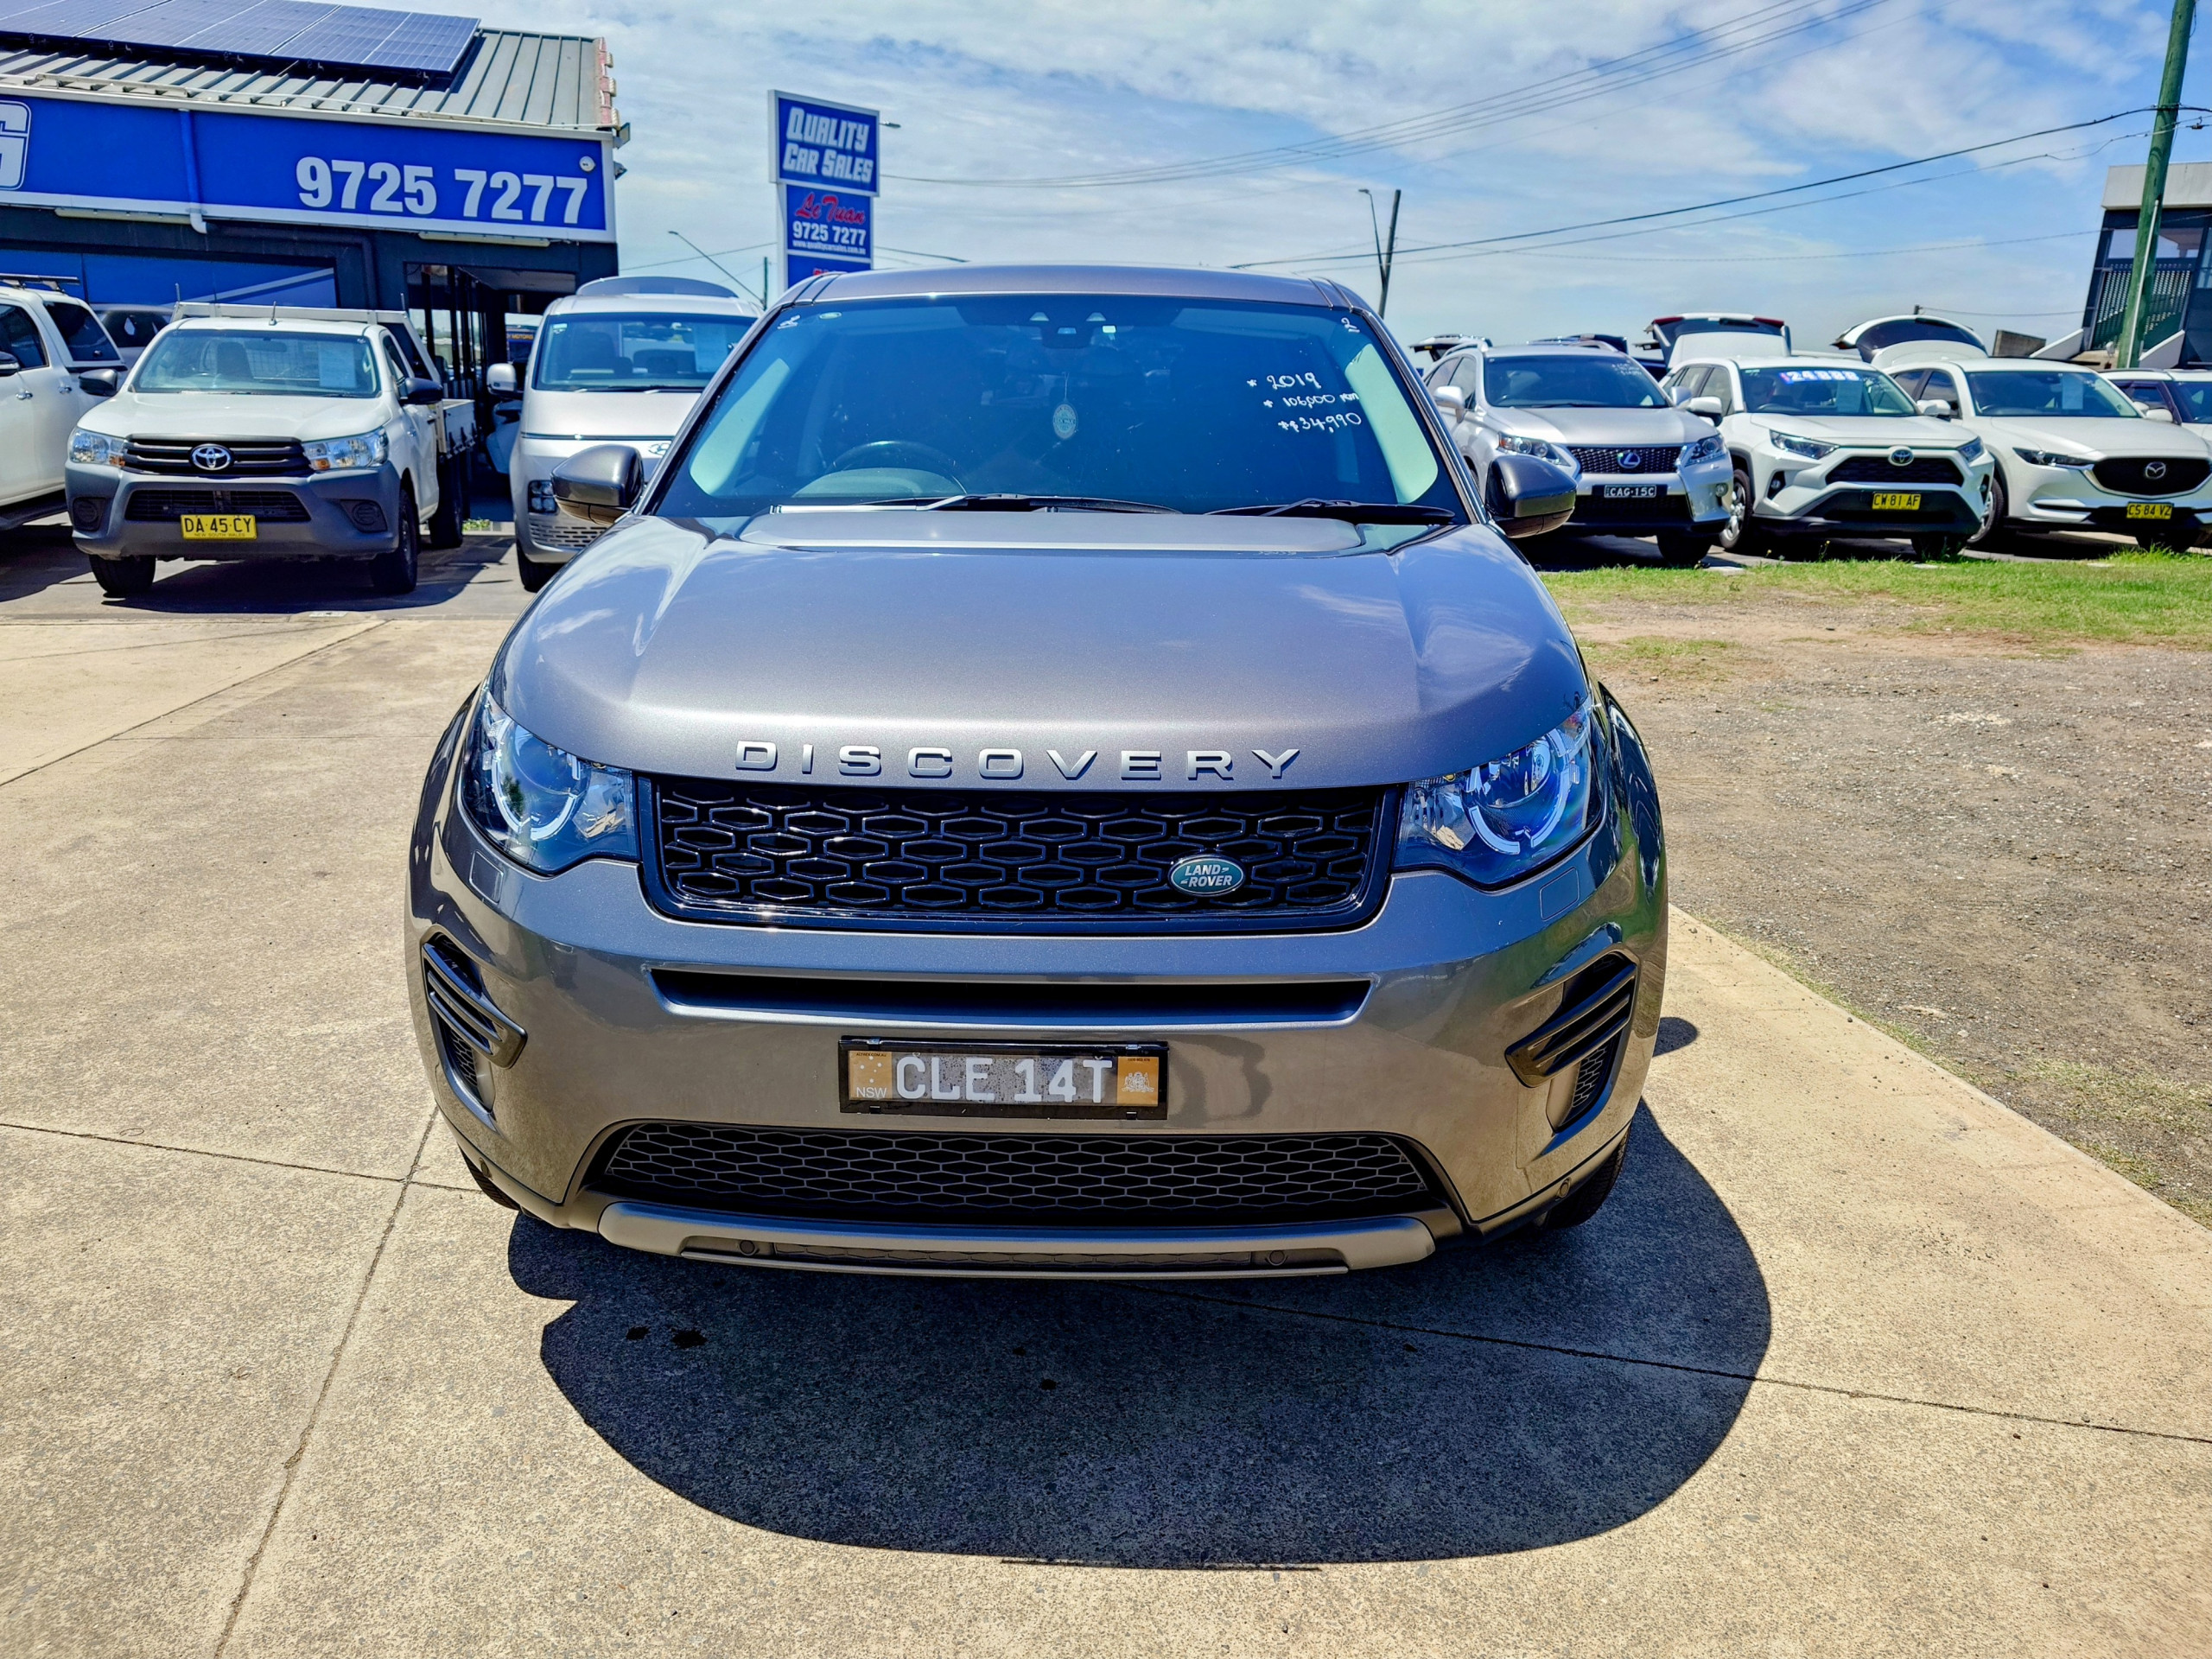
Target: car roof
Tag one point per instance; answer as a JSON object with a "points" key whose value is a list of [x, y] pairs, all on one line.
{"points": [[1779, 360], [1164, 281], [1548, 348], [704, 305], [277, 324], [2154, 374], [1850, 335]]}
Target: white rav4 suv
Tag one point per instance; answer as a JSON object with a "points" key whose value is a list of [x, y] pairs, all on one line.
{"points": [[2073, 452], [1824, 447]]}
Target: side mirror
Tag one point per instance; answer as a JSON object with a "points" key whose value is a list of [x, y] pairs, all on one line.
{"points": [[2165, 415], [101, 383], [1939, 407], [421, 391], [1712, 408], [8, 364], [597, 484], [1528, 496], [1451, 403], [501, 380]]}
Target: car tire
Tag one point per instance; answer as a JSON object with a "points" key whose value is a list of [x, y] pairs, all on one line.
{"points": [[453, 487], [1937, 547], [490, 1187], [392, 574], [1683, 547], [1993, 526], [1588, 1198], [123, 578], [1742, 534], [535, 573]]}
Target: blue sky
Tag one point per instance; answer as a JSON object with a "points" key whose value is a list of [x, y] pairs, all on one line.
{"points": [[1557, 120]]}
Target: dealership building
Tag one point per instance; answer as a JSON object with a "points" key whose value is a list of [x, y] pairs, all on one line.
{"points": [[304, 154]]}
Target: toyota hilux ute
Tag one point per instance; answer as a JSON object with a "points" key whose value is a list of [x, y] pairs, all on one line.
{"points": [[1057, 774], [262, 437], [2073, 451], [1641, 467], [1823, 447], [621, 360], [56, 364]]}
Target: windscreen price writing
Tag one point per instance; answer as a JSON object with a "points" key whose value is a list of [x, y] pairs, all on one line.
{"points": [[389, 188]]}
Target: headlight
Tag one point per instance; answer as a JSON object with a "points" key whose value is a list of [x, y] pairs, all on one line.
{"points": [[1537, 447], [1496, 822], [344, 455], [1706, 448], [2052, 458], [540, 805], [1970, 450], [1804, 447], [95, 450]]}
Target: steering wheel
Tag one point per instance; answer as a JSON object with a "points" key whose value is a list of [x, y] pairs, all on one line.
{"points": [[897, 452]]}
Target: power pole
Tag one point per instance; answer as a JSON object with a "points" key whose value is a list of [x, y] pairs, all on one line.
{"points": [[1385, 252], [2129, 346]]}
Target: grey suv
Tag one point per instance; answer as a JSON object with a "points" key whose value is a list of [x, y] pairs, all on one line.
{"points": [[1057, 774]]}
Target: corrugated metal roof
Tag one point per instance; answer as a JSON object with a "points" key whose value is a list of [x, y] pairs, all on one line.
{"points": [[538, 80]]}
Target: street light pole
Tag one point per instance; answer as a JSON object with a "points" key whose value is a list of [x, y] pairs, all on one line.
{"points": [[1385, 252], [2128, 348]]}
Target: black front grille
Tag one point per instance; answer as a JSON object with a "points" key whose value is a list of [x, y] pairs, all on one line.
{"points": [[1076, 1180], [2176, 475], [1591, 1076], [1080, 862], [250, 457], [166, 507], [1656, 459], [1881, 470]]}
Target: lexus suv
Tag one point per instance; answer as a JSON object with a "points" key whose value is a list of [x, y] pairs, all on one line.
{"points": [[1642, 466], [1823, 447], [1057, 774]]}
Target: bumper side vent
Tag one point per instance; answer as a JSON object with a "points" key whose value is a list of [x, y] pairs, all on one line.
{"points": [[1592, 1016], [471, 1028]]}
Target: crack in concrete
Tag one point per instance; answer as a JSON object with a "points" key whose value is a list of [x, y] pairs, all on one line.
{"points": [[233, 1157]]}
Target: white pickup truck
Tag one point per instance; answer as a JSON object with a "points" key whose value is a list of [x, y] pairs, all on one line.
{"points": [[254, 432]]}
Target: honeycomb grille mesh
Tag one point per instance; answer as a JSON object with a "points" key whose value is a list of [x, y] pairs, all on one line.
{"points": [[915, 855], [1073, 1179], [1657, 458], [1880, 469]]}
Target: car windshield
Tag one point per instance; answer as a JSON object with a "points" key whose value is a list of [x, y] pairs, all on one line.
{"points": [[1591, 382], [1189, 405], [1822, 392], [254, 361], [2195, 399], [604, 351], [2070, 393]]}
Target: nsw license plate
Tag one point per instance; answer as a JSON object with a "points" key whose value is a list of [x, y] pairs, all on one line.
{"points": [[218, 526], [1896, 501], [1119, 1080], [1631, 492], [2149, 509]]}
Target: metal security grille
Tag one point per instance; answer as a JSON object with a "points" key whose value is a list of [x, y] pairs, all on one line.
{"points": [[2128, 476], [1070, 861], [1880, 470], [160, 507], [1657, 459], [250, 457], [1074, 1179]]}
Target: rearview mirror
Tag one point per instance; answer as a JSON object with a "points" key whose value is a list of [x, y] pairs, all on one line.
{"points": [[501, 380], [101, 383], [1451, 403], [1528, 496], [2165, 415], [1712, 408], [1939, 407], [598, 484], [8, 364], [422, 391]]}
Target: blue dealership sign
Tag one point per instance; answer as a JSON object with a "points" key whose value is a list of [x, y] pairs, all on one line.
{"points": [[833, 223], [828, 145], [139, 155], [798, 267]]}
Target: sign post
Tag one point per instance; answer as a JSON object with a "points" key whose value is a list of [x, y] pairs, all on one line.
{"points": [[824, 158]]}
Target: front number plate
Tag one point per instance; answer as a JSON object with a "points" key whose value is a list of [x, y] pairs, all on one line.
{"points": [[218, 526], [2149, 509], [1629, 492], [1893, 501], [1118, 1080]]}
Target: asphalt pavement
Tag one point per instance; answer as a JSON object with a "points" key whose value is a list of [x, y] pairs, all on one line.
{"points": [[1856, 1360]]}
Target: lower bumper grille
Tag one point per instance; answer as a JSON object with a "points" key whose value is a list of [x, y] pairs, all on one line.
{"points": [[1072, 1179], [166, 506], [1881, 471], [567, 533]]}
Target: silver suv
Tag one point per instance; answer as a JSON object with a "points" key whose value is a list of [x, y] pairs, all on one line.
{"points": [[1641, 467], [1057, 774]]}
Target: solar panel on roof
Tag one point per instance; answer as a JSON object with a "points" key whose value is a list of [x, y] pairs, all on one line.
{"points": [[295, 31]]}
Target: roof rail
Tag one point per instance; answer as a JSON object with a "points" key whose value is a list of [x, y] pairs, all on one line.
{"points": [[38, 279]]}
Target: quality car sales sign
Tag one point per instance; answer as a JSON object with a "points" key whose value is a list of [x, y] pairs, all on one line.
{"points": [[824, 158]]}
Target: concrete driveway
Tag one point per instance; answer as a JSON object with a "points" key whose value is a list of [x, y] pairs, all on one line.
{"points": [[1856, 1360]]}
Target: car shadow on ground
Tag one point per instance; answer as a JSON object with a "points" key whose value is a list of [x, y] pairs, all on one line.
{"points": [[1477, 1403]]}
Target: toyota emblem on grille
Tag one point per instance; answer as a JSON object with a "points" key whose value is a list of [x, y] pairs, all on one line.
{"points": [[1205, 876], [1630, 460], [212, 457], [1900, 457], [2156, 469]]}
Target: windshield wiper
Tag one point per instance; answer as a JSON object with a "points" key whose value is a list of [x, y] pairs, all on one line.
{"points": [[1355, 512], [1004, 502]]}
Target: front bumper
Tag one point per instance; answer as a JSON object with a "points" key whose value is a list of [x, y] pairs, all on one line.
{"points": [[353, 515], [1456, 976], [1944, 510], [1696, 498], [2068, 498]]}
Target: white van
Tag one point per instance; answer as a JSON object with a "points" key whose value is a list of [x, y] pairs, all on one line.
{"points": [[620, 361]]}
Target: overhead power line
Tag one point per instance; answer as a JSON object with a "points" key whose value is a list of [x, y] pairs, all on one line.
{"points": [[1746, 32]]}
